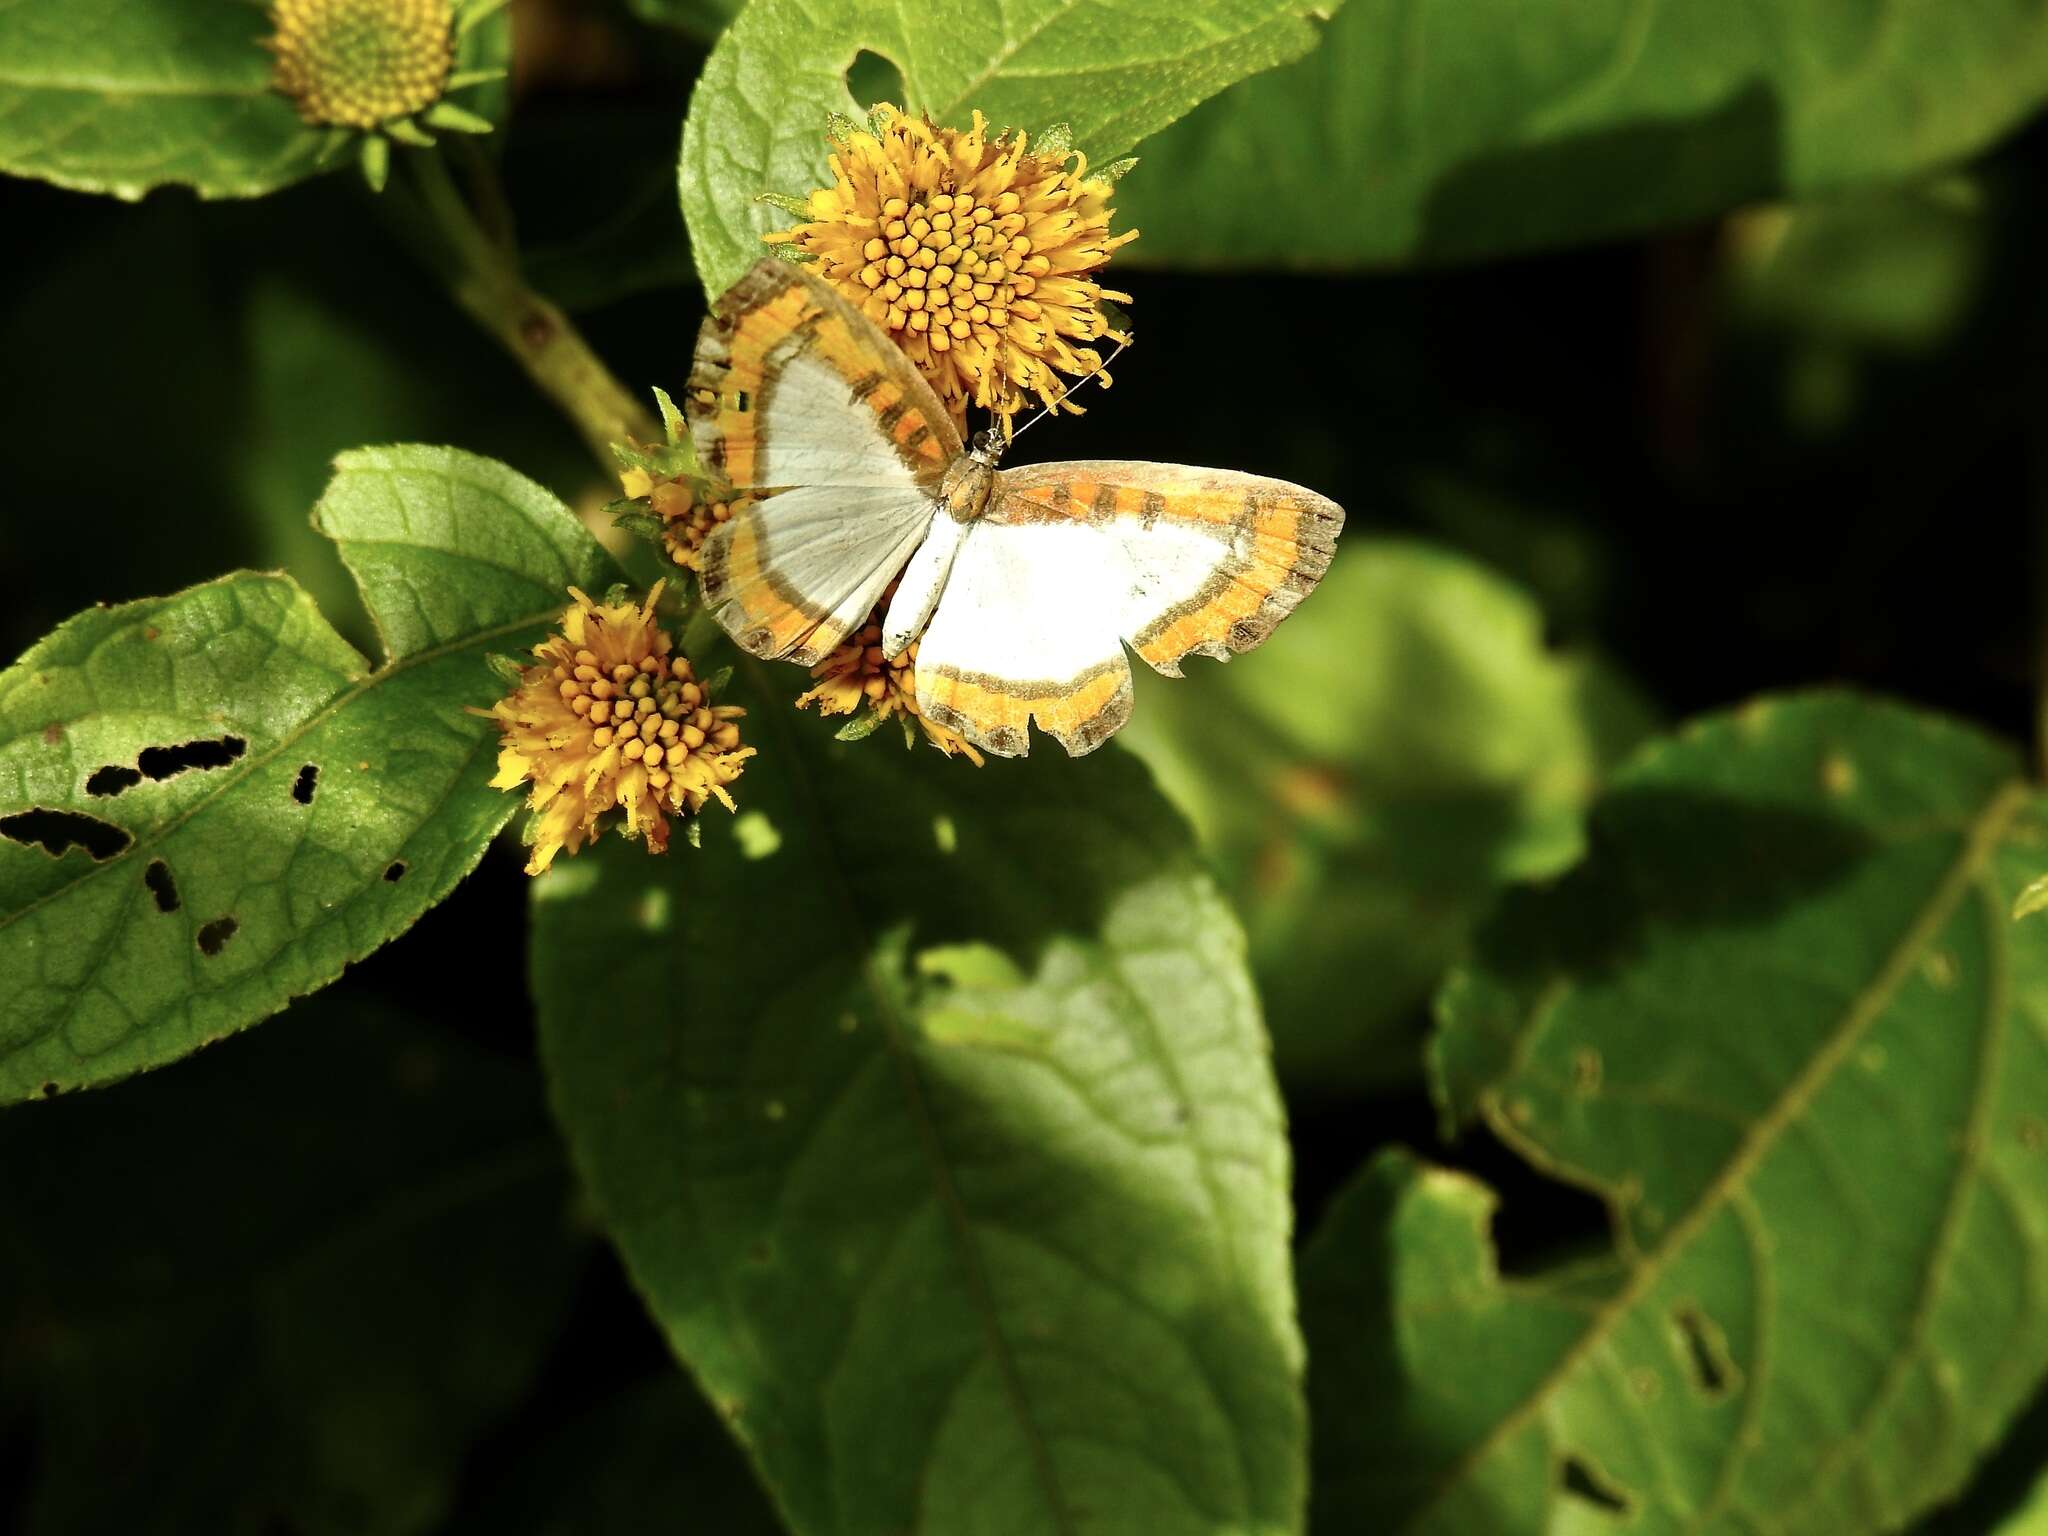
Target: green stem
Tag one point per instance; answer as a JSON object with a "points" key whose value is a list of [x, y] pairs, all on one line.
{"points": [[483, 274]]}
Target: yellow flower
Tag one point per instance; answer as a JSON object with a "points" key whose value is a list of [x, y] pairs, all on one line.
{"points": [[859, 673], [608, 720], [377, 72], [688, 508], [978, 256], [359, 63]]}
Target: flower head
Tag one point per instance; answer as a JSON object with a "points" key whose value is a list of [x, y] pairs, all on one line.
{"points": [[688, 509], [379, 68], [978, 254], [859, 673], [606, 721], [359, 63]]}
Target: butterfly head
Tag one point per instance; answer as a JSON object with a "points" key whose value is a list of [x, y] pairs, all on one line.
{"points": [[987, 447]]}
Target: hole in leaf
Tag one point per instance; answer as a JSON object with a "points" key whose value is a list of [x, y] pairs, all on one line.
{"points": [[158, 878], [213, 938], [113, 779], [51, 1090], [1582, 1480], [160, 763], [304, 785], [396, 872], [59, 830], [871, 78], [1712, 1368]]}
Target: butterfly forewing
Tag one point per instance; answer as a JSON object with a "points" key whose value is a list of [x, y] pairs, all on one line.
{"points": [[793, 387]]}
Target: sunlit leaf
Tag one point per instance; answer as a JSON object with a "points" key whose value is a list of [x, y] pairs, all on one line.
{"points": [[1403, 747], [1782, 1021], [1114, 72], [1428, 133], [210, 803], [939, 1135]]}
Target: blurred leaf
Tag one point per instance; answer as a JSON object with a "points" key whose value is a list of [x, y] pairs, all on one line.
{"points": [[1115, 71], [1468, 132], [1783, 1024], [122, 96], [941, 1139], [282, 1287], [699, 18], [287, 347], [652, 1458], [2032, 1520], [1402, 748], [596, 190], [211, 803]]}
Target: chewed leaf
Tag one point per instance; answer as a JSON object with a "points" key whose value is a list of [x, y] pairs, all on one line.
{"points": [[1781, 1020], [202, 796], [1107, 74], [940, 1130]]}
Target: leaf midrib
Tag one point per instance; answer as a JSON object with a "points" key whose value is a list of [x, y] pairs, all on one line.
{"points": [[928, 1131], [249, 765], [1980, 842]]}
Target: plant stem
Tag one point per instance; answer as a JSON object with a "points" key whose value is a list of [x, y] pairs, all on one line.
{"points": [[483, 274]]}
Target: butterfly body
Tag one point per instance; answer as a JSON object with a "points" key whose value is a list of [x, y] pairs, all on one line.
{"points": [[1022, 587]]}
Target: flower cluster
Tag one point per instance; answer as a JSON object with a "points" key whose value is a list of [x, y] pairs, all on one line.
{"points": [[609, 721], [378, 68], [859, 673], [977, 253], [688, 509]]}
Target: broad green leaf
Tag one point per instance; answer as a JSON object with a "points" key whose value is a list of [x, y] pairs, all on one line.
{"points": [[1430, 133], [932, 1115], [1783, 1022], [1401, 749], [1115, 71], [283, 1286], [121, 96], [211, 803]]}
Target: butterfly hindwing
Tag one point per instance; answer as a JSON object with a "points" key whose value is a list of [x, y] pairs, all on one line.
{"points": [[1072, 561], [1025, 631], [792, 575], [794, 386], [1210, 560]]}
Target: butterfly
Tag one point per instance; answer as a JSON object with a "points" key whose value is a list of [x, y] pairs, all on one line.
{"points": [[1022, 586]]}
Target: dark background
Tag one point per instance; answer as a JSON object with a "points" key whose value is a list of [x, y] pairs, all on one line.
{"points": [[1726, 473]]}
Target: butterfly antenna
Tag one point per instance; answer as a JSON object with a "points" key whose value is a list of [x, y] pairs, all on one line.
{"points": [[1046, 410]]}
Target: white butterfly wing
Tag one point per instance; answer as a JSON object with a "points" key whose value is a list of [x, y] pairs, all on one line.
{"points": [[793, 387]]}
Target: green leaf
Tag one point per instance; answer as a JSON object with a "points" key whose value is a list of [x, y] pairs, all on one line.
{"points": [[121, 96], [1782, 1023], [1114, 72], [1501, 125], [211, 803], [283, 1286], [941, 1140], [1401, 749], [700, 18]]}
